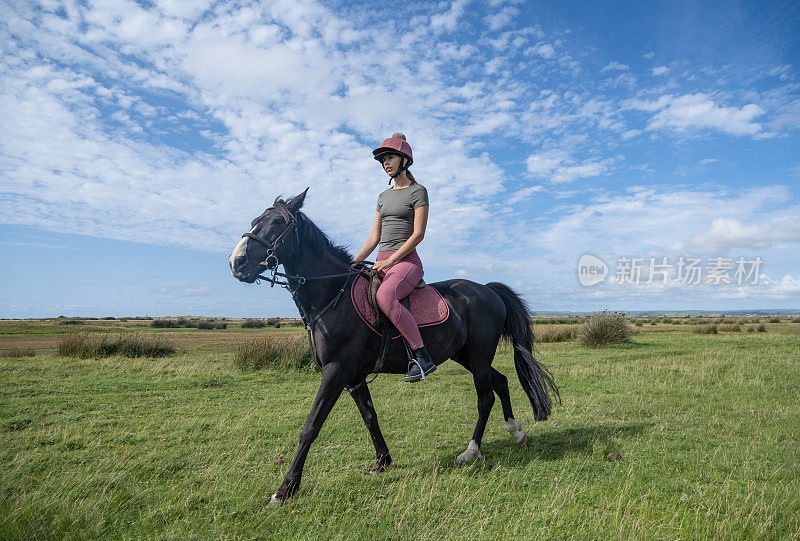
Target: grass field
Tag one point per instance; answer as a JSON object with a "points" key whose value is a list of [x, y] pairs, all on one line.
{"points": [[187, 446]]}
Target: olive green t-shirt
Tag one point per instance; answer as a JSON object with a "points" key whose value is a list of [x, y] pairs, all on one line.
{"points": [[396, 208]]}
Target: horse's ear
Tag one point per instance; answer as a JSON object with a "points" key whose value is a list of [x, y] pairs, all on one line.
{"points": [[277, 201], [297, 201]]}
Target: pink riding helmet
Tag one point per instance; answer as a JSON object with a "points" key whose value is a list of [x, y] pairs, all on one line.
{"points": [[396, 144]]}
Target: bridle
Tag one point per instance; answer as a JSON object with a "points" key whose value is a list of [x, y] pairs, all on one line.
{"points": [[271, 262]]}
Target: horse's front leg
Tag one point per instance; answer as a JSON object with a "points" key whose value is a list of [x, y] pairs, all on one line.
{"points": [[329, 390], [364, 403]]}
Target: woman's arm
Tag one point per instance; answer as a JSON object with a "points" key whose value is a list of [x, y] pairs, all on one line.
{"points": [[372, 241], [420, 223]]}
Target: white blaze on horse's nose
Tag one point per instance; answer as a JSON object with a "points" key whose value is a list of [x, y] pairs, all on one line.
{"points": [[238, 251]]}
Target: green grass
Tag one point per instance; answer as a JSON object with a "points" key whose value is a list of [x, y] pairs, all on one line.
{"points": [[189, 446]]}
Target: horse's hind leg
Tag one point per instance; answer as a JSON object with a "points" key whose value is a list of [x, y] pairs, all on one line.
{"points": [[482, 376], [514, 427], [364, 403]]}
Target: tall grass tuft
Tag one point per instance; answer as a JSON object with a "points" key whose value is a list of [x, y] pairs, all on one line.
{"points": [[140, 345], [606, 328], [211, 324], [71, 322], [17, 352], [730, 327], [711, 328], [558, 334], [254, 324], [274, 352], [164, 324]]}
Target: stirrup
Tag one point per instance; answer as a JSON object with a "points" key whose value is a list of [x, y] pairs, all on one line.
{"points": [[422, 373]]}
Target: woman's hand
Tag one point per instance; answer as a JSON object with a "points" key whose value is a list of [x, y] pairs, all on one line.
{"points": [[384, 264]]}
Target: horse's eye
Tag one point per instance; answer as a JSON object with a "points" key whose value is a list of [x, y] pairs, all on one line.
{"points": [[277, 221]]}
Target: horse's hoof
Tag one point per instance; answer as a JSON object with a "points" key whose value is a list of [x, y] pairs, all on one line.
{"points": [[473, 452], [275, 501], [377, 468], [514, 428]]}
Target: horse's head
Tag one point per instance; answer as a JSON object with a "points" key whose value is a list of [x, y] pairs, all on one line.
{"points": [[275, 230]]}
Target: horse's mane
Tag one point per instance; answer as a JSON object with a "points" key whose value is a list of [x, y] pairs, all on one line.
{"points": [[313, 236], [318, 241]]}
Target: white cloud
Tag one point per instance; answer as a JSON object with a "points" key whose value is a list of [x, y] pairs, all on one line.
{"points": [[502, 18], [558, 166], [545, 50], [449, 19], [524, 193], [667, 221], [281, 105], [660, 70], [614, 66], [698, 111], [649, 55], [727, 234]]}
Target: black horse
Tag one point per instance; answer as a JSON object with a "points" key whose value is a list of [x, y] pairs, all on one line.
{"points": [[347, 350]]}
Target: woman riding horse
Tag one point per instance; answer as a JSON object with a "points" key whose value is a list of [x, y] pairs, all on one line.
{"points": [[400, 220]]}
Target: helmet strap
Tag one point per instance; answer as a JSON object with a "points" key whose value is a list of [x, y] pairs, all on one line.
{"points": [[403, 167]]}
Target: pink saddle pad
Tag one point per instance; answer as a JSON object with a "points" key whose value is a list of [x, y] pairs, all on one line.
{"points": [[427, 305]]}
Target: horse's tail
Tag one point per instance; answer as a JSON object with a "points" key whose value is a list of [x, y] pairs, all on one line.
{"points": [[534, 377]]}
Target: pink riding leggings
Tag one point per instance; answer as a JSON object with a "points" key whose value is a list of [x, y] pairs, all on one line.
{"points": [[398, 281]]}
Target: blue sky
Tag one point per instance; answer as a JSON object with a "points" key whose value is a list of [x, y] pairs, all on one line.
{"points": [[140, 138]]}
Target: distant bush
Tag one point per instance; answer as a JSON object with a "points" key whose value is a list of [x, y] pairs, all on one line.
{"points": [[274, 352], [706, 329], [17, 352], [108, 317], [274, 321], [557, 334], [774, 320], [71, 321], [761, 328], [606, 328], [139, 345], [731, 327], [211, 324], [164, 324], [751, 328], [639, 323], [254, 324], [182, 322]]}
